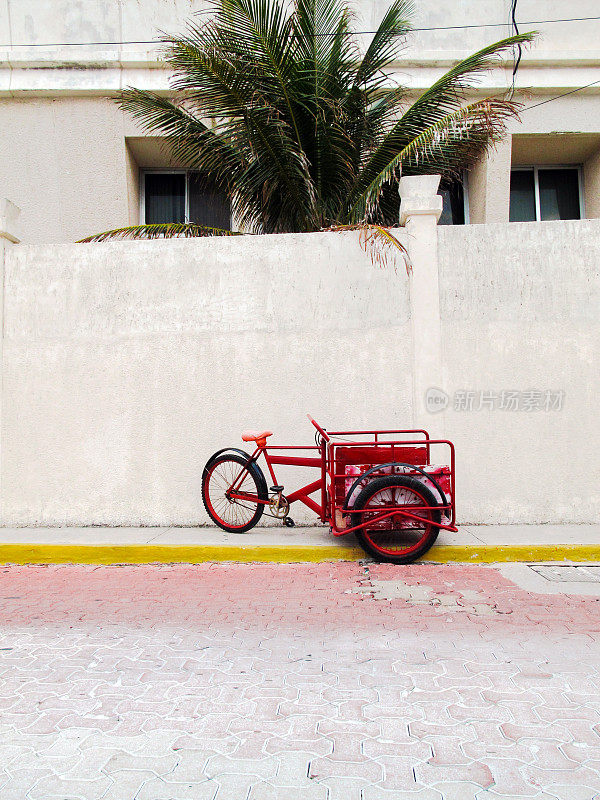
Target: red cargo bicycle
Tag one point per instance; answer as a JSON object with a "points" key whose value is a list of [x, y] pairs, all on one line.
{"points": [[380, 485]]}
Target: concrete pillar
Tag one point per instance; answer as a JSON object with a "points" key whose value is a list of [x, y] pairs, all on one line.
{"points": [[9, 236], [488, 185], [132, 179], [420, 210]]}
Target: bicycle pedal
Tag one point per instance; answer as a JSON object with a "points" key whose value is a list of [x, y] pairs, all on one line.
{"points": [[288, 522], [276, 489]]}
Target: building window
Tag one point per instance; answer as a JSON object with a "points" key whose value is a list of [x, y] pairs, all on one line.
{"points": [[545, 193], [182, 196], [454, 199]]}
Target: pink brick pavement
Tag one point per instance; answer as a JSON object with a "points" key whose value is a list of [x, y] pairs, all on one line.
{"points": [[248, 681]]}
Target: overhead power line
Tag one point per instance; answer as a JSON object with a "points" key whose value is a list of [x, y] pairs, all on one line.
{"points": [[333, 33], [558, 96]]}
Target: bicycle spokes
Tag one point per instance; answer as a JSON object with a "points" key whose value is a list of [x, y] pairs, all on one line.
{"points": [[233, 511]]}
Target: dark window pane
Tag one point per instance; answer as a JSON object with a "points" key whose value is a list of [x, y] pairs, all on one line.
{"points": [[453, 209], [207, 205], [559, 193], [164, 198], [522, 196]]}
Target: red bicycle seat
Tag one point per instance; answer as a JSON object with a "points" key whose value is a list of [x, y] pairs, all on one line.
{"points": [[254, 436]]}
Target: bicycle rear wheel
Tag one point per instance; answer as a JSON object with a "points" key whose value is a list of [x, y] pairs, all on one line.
{"points": [[396, 538], [233, 514]]}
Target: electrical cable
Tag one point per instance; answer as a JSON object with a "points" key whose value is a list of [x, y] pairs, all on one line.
{"points": [[558, 96], [349, 33], [359, 33], [513, 14]]}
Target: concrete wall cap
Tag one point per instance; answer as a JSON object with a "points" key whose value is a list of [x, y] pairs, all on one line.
{"points": [[418, 185]]}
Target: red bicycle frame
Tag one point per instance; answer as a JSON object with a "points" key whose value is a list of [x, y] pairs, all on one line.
{"points": [[301, 494]]}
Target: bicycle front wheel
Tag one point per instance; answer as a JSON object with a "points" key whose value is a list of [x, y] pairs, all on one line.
{"points": [[233, 514]]}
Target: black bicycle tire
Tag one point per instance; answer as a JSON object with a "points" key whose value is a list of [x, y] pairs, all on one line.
{"points": [[261, 486], [384, 482]]}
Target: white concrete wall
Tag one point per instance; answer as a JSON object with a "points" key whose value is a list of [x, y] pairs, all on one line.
{"points": [[519, 306], [125, 365]]}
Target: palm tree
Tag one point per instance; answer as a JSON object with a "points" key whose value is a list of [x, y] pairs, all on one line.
{"points": [[279, 107]]}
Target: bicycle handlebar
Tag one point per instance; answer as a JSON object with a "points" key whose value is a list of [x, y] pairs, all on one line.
{"points": [[319, 428]]}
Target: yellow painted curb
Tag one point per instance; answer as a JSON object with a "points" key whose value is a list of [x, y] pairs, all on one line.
{"points": [[193, 554], [483, 554], [166, 554]]}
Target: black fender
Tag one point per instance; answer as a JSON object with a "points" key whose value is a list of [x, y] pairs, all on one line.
{"points": [[394, 464], [227, 450], [241, 453]]}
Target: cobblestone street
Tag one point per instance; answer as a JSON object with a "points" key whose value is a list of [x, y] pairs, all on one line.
{"points": [[345, 681]]}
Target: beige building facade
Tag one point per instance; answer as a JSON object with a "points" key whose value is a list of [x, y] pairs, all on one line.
{"points": [[76, 165]]}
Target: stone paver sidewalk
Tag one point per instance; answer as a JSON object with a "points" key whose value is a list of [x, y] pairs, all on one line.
{"points": [[342, 681]]}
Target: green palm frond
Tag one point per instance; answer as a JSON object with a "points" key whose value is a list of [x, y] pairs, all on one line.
{"points": [[441, 108], [277, 106], [171, 230], [450, 144], [386, 43], [379, 242]]}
